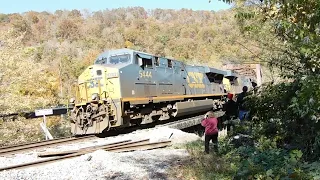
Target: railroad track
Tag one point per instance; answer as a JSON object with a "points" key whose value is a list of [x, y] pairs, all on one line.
{"points": [[121, 146], [9, 150], [179, 124]]}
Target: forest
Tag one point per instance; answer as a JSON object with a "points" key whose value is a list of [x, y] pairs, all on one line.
{"points": [[43, 53]]}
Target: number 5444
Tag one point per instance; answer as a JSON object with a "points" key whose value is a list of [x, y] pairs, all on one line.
{"points": [[145, 74]]}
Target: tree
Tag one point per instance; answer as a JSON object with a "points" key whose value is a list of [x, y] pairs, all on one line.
{"points": [[295, 23], [67, 29], [66, 41], [287, 112]]}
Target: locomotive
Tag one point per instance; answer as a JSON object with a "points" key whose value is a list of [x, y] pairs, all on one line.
{"points": [[125, 87]]}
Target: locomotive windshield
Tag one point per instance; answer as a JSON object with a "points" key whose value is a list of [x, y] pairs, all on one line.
{"points": [[125, 58], [101, 61]]}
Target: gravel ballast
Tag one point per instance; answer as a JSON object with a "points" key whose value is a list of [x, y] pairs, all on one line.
{"points": [[150, 164]]}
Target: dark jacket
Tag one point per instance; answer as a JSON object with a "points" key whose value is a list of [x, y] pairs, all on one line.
{"points": [[230, 107], [240, 101]]}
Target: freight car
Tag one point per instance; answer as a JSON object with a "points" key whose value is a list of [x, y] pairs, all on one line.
{"points": [[125, 87]]}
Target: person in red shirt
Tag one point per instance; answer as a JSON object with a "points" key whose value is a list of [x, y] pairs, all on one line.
{"points": [[210, 122]]}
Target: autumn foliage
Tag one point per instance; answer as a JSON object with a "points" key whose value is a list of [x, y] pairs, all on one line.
{"points": [[41, 53]]}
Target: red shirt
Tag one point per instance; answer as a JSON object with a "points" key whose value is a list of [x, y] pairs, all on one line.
{"points": [[211, 126]]}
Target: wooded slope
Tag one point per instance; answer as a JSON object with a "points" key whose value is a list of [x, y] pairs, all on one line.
{"points": [[41, 53]]}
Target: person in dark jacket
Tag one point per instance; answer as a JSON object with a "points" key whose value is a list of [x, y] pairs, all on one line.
{"points": [[210, 122], [243, 111], [231, 111], [230, 107]]}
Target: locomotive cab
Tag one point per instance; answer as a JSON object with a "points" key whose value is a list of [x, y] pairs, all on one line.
{"points": [[232, 82]]}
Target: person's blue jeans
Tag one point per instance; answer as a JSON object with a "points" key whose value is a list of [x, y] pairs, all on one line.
{"points": [[243, 115]]}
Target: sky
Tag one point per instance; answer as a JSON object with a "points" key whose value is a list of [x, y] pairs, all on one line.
{"points": [[20, 6]]}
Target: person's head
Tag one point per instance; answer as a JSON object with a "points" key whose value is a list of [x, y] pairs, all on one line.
{"points": [[230, 96], [245, 89], [210, 114]]}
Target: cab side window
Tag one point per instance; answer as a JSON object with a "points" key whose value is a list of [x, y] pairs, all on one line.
{"points": [[169, 63], [147, 63], [156, 61], [144, 61]]}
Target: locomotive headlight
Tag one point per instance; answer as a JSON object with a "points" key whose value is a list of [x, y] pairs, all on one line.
{"points": [[95, 97]]}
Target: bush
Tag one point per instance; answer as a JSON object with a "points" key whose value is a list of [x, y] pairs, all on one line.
{"points": [[289, 113], [262, 161]]}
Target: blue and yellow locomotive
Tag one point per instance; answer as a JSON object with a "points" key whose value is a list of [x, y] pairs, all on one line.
{"points": [[126, 87]]}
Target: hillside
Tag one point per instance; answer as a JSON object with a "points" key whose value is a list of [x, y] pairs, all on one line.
{"points": [[42, 53]]}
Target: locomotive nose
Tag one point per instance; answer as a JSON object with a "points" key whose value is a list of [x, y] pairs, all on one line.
{"points": [[90, 84]]}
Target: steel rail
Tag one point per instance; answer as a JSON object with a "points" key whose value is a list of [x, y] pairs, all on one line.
{"points": [[93, 148], [35, 145], [123, 147], [28, 143], [144, 146], [180, 124]]}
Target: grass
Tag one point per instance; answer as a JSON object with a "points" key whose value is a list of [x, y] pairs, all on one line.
{"points": [[23, 130], [243, 162], [204, 166]]}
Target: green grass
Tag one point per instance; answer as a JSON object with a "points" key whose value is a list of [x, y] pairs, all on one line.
{"points": [[204, 166], [244, 162]]}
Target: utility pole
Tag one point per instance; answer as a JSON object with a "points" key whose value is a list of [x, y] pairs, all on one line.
{"points": [[60, 78], [258, 74]]}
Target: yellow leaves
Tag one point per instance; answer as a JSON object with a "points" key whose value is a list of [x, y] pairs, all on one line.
{"points": [[128, 44], [53, 121], [26, 83], [53, 83], [29, 50]]}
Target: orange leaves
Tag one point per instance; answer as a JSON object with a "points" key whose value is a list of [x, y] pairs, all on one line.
{"points": [[90, 57], [67, 29]]}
